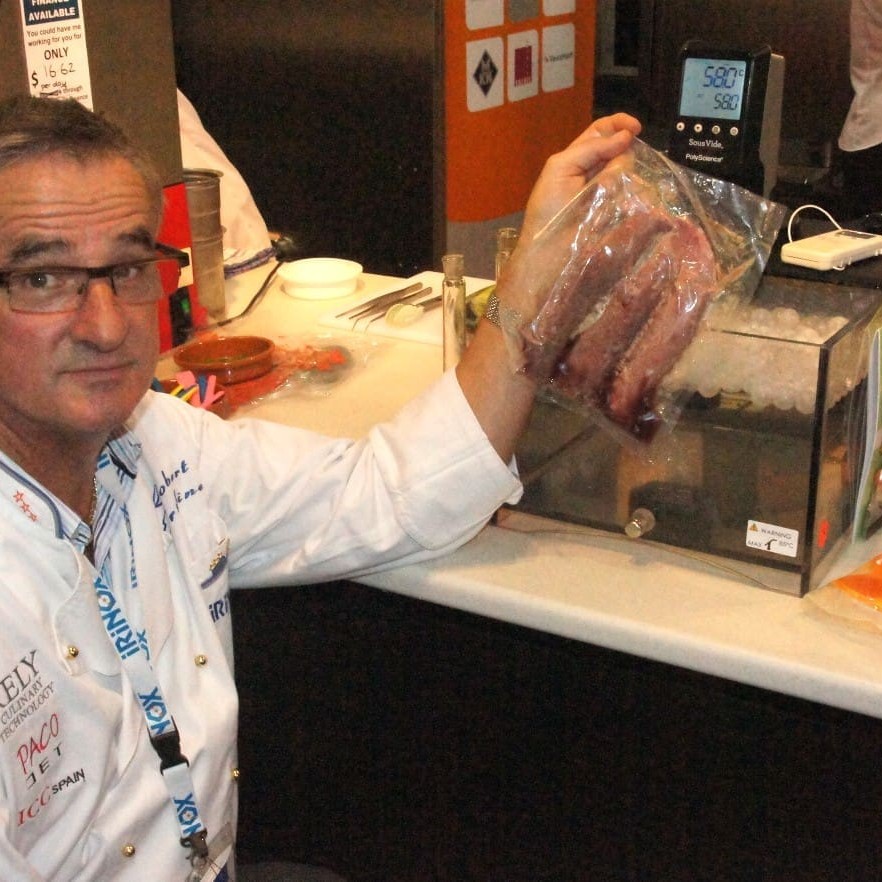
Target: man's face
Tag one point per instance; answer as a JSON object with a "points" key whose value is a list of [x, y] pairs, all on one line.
{"points": [[79, 374]]}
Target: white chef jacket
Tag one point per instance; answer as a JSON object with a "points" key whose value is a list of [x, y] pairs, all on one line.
{"points": [[863, 124], [213, 506]]}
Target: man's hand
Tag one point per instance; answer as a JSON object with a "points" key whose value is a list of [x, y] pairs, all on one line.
{"points": [[566, 173]]}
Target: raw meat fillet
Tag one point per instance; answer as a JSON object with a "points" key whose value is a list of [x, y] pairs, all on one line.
{"points": [[586, 366], [600, 259], [668, 331]]}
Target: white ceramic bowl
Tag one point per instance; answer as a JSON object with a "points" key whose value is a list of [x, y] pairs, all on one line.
{"points": [[319, 278]]}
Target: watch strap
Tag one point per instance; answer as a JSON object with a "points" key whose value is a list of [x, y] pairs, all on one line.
{"points": [[491, 311]]}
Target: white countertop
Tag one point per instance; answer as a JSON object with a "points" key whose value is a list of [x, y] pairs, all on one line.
{"points": [[606, 590]]}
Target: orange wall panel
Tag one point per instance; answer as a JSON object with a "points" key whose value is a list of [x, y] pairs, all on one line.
{"points": [[495, 152]]}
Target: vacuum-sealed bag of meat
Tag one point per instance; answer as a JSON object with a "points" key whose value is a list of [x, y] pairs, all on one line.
{"points": [[609, 294], [854, 596]]}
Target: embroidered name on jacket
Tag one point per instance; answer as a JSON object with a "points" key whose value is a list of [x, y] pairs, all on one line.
{"points": [[172, 490]]}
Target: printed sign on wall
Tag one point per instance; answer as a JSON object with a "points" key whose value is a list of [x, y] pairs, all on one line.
{"points": [[523, 65], [484, 14], [558, 57], [485, 78], [558, 7], [55, 50]]}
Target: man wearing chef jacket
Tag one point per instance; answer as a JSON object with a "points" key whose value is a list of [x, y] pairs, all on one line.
{"points": [[127, 516]]}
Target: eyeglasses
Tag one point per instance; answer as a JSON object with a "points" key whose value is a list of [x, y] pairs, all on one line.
{"points": [[60, 288]]}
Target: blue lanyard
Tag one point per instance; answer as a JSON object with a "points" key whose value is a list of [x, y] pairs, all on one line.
{"points": [[133, 649]]}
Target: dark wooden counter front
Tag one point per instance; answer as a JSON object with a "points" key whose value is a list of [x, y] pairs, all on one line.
{"points": [[397, 741]]}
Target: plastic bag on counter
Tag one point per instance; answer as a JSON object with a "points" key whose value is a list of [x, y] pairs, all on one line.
{"points": [[608, 295], [312, 365], [854, 596]]}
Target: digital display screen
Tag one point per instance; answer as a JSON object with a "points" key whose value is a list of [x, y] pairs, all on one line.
{"points": [[713, 88]]}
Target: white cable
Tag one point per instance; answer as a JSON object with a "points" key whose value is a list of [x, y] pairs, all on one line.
{"points": [[802, 208]]}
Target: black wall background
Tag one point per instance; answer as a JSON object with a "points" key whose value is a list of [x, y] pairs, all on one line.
{"points": [[329, 113]]}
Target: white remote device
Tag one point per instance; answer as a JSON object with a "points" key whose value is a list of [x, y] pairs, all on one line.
{"points": [[833, 250]]}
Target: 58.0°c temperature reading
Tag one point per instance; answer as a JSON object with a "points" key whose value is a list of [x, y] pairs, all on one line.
{"points": [[729, 79], [713, 88]]}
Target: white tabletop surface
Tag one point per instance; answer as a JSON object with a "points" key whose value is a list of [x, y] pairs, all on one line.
{"points": [[602, 589]]}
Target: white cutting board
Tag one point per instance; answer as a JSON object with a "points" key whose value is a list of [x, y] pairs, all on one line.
{"points": [[426, 329]]}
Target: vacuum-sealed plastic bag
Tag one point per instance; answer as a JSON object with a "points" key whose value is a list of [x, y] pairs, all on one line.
{"points": [[605, 299], [855, 596]]}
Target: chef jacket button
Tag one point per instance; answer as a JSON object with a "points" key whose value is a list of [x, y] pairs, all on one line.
{"points": [[201, 660], [234, 774], [73, 651], [128, 850]]}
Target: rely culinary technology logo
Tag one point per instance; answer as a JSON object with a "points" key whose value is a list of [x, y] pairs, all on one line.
{"points": [[23, 692], [32, 731]]}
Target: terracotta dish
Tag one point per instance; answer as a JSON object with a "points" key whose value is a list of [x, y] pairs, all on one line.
{"points": [[230, 359]]}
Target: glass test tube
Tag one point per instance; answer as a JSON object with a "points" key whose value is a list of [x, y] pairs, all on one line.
{"points": [[453, 308], [506, 239]]}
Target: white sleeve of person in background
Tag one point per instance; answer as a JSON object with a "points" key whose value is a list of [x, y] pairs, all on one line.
{"points": [[245, 231], [863, 125]]}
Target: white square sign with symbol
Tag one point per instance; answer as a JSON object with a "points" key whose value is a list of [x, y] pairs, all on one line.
{"points": [[485, 74], [558, 58], [523, 65]]}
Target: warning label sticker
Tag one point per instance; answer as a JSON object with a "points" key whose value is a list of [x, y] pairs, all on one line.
{"points": [[768, 537]]}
